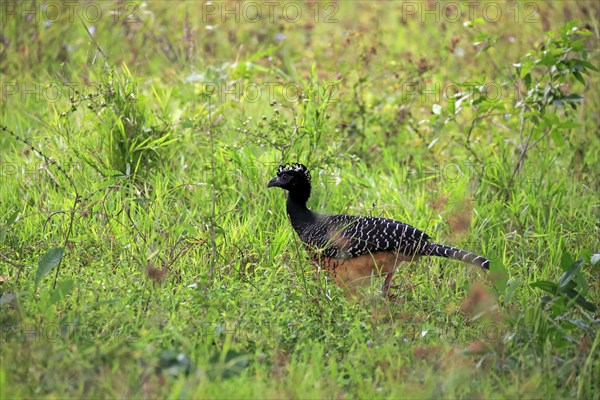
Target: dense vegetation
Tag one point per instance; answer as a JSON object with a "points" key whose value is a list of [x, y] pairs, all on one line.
{"points": [[141, 254]]}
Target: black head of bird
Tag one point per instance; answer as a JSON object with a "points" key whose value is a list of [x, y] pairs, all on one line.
{"points": [[295, 178]]}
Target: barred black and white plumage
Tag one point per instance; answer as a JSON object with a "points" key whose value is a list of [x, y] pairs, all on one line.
{"points": [[352, 247], [440, 250], [346, 236]]}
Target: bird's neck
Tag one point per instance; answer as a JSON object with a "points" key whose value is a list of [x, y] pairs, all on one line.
{"points": [[299, 214]]}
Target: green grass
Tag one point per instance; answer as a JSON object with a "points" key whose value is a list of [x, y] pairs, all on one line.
{"points": [[181, 275]]}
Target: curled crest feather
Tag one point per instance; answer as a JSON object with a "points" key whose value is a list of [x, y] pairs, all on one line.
{"points": [[296, 167]]}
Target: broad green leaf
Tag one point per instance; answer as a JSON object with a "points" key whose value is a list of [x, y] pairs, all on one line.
{"points": [[63, 289], [573, 98], [568, 125], [559, 306], [546, 286], [581, 300], [47, 262], [586, 305], [579, 77], [588, 65], [527, 80], [525, 70], [549, 120], [569, 285], [566, 261], [557, 137], [13, 217], [548, 59], [569, 274]]}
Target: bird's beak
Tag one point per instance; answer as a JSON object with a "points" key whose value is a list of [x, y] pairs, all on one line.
{"points": [[274, 182]]}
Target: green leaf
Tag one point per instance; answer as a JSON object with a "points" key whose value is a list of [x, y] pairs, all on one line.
{"points": [[548, 59], [579, 77], [583, 32], [511, 288], [573, 98], [526, 69], [527, 80], [580, 324], [580, 300], [187, 123], [47, 262], [559, 306], [557, 137], [588, 65], [62, 290], [546, 286], [566, 261], [569, 274], [549, 120], [586, 305], [569, 285], [568, 125], [13, 217]]}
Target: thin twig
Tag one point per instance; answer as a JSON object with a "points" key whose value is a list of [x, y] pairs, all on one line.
{"points": [[87, 30], [521, 157]]}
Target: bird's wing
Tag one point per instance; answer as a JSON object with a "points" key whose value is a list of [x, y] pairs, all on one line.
{"points": [[345, 236]]}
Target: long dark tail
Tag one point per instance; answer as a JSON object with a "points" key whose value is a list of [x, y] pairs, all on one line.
{"points": [[434, 249]]}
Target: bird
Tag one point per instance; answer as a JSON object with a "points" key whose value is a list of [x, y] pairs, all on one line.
{"points": [[354, 249]]}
